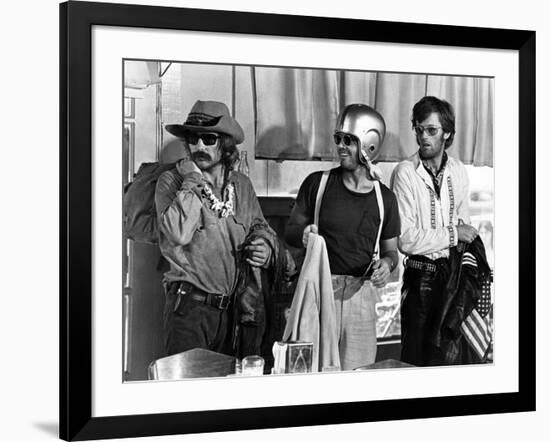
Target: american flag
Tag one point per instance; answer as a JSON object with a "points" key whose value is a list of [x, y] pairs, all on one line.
{"points": [[477, 327]]}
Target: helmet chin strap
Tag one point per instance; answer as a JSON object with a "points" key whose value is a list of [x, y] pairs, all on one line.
{"points": [[374, 171]]}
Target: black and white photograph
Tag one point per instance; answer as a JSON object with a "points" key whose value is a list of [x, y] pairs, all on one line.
{"points": [[293, 220], [282, 219]]}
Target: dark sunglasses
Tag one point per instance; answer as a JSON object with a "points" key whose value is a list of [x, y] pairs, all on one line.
{"points": [[341, 137], [431, 130], [207, 139]]}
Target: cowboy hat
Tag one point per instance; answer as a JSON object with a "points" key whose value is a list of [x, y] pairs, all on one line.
{"points": [[208, 116]]}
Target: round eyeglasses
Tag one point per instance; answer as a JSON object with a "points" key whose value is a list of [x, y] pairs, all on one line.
{"points": [[430, 130], [347, 139]]}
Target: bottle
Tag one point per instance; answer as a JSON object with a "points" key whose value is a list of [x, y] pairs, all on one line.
{"points": [[243, 165], [238, 367]]}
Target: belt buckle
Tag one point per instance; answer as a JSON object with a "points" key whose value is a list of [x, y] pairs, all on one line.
{"points": [[224, 302]]}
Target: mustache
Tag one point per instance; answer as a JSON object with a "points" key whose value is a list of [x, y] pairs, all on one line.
{"points": [[201, 156], [343, 150]]}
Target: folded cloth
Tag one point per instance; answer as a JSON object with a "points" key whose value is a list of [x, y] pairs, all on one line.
{"points": [[312, 313]]}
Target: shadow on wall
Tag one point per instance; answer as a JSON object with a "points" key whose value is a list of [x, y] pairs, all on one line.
{"points": [[271, 146], [274, 145], [278, 144], [49, 428]]}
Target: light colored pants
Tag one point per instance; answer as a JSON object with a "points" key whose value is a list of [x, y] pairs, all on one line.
{"points": [[354, 301]]}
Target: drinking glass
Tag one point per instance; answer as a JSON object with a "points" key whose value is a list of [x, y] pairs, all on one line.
{"points": [[253, 366]]}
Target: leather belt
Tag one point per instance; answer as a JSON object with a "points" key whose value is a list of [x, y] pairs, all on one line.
{"points": [[220, 301], [424, 266]]}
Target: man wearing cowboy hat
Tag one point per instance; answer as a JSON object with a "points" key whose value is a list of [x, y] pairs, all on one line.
{"points": [[358, 218], [432, 190], [205, 211]]}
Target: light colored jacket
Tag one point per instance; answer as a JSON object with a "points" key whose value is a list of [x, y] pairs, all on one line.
{"points": [[312, 314], [428, 222]]}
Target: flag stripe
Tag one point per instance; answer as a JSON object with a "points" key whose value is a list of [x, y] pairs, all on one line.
{"points": [[480, 332], [476, 330], [469, 259], [479, 347], [479, 323], [474, 334], [472, 341]]}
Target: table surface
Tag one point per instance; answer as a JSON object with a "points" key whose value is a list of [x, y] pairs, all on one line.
{"points": [[199, 363], [386, 363]]}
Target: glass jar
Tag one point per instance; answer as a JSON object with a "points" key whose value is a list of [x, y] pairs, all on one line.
{"points": [[252, 366]]}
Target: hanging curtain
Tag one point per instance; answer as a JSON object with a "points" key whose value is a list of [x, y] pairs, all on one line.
{"points": [[472, 99], [395, 97], [359, 87], [482, 151], [297, 109]]}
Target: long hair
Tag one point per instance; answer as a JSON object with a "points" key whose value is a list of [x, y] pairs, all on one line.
{"points": [[230, 156], [230, 153], [429, 105]]}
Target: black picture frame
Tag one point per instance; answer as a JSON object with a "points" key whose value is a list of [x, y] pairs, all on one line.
{"points": [[76, 21]]}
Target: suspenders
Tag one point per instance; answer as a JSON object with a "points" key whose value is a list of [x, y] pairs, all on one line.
{"points": [[320, 193], [379, 200]]}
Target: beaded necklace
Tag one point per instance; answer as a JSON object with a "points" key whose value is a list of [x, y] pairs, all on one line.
{"points": [[222, 208]]}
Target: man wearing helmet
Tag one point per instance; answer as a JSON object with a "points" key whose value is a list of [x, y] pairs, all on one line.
{"points": [[357, 213], [432, 190]]}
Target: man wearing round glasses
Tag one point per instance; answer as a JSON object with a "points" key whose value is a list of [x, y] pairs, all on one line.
{"points": [[359, 221], [432, 190], [207, 214]]}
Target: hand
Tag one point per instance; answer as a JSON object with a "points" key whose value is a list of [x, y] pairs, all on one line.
{"points": [[466, 233], [312, 228], [187, 166], [258, 252], [381, 272]]}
